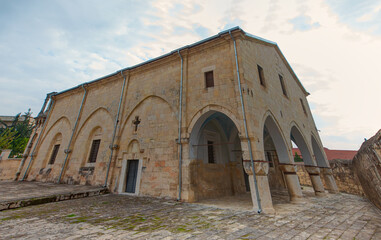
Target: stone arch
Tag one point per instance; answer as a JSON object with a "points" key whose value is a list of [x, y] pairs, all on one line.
{"points": [[57, 139], [216, 163], [81, 146], [97, 111], [125, 121], [95, 133], [320, 158], [62, 126], [133, 147], [62, 120], [208, 110], [156, 136], [271, 124], [300, 141]]}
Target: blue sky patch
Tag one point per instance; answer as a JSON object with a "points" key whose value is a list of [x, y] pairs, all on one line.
{"points": [[303, 23]]}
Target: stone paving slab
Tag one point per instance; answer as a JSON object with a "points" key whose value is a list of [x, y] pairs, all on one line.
{"points": [[336, 216], [20, 194]]}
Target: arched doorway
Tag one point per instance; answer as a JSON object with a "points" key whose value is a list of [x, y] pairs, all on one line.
{"points": [[216, 157]]}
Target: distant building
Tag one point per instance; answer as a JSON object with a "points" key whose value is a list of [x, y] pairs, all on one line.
{"points": [[6, 121]]}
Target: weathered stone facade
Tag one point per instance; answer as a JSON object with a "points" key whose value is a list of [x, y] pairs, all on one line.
{"points": [[8, 166], [232, 118], [344, 174]]}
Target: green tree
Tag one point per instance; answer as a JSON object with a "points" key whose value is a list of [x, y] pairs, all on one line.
{"points": [[297, 158], [17, 135], [6, 138]]}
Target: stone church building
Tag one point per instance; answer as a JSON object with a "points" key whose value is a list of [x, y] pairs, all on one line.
{"points": [[211, 119]]}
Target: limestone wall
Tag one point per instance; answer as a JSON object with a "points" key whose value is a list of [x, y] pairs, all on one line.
{"points": [[8, 168], [152, 96], [343, 173]]}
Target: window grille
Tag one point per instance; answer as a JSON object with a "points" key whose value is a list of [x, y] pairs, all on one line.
{"points": [[54, 154], [94, 150]]}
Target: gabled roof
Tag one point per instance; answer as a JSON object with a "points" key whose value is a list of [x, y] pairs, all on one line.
{"points": [[274, 44]]}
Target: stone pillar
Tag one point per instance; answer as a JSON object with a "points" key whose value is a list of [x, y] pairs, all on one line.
{"points": [[329, 180], [292, 182], [261, 171], [317, 184]]}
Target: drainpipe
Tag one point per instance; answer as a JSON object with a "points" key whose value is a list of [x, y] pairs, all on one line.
{"points": [[179, 137], [115, 126], [25, 155], [67, 150], [245, 124], [38, 140]]}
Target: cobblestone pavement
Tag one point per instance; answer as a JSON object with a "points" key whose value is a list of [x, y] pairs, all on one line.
{"points": [[339, 216], [13, 191]]}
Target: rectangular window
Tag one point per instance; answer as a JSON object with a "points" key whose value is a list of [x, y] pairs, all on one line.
{"points": [[283, 86], [209, 80], [304, 108], [211, 152], [261, 76], [94, 150], [54, 154]]}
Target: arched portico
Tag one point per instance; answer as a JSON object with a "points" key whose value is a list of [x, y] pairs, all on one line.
{"points": [[309, 163], [282, 171], [215, 156], [323, 164]]}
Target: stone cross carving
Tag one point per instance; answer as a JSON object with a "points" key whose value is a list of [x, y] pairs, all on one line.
{"points": [[136, 122]]}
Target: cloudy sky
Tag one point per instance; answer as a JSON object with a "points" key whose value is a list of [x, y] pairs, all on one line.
{"points": [[334, 47]]}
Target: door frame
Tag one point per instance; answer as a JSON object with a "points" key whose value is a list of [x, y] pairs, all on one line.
{"points": [[123, 178]]}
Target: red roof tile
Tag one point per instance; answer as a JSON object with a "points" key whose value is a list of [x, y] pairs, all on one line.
{"points": [[333, 154]]}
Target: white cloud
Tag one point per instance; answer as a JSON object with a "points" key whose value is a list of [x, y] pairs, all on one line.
{"points": [[369, 16], [42, 52]]}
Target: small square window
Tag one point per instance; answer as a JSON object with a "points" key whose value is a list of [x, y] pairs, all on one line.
{"points": [[54, 154], [211, 152], [261, 76], [209, 79], [304, 108], [283, 86], [94, 150]]}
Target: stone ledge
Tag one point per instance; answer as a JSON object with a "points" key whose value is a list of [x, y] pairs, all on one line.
{"points": [[5, 205]]}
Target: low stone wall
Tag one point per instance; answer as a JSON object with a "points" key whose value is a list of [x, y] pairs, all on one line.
{"points": [[8, 168], [343, 173]]}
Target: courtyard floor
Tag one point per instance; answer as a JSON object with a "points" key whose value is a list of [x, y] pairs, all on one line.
{"points": [[335, 216]]}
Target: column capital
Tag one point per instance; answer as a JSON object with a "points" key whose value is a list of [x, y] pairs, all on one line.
{"points": [[288, 168], [313, 170], [261, 168], [326, 171]]}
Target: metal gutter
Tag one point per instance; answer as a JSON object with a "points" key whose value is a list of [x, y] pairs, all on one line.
{"points": [[67, 150], [115, 126], [245, 125], [38, 140], [179, 137]]}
